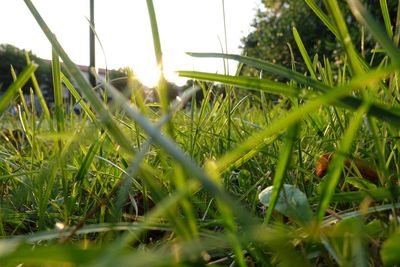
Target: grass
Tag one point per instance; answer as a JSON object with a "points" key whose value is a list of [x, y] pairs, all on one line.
{"points": [[172, 186]]}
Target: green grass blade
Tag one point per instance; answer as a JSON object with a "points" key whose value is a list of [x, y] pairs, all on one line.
{"points": [[322, 16], [357, 213], [164, 99], [58, 94], [226, 161], [281, 169], [44, 189], [391, 115], [386, 18], [304, 53], [21, 94], [396, 26], [335, 170], [344, 36], [38, 92], [162, 84], [289, 119], [155, 33], [12, 90], [377, 31], [243, 82], [78, 98], [268, 67], [379, 194], [88, 159]]}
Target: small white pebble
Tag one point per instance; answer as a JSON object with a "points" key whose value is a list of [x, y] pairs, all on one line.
{"points": [[60, 226]]}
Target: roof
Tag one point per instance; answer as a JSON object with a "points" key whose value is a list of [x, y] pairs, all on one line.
{"points": [[83, 68]]}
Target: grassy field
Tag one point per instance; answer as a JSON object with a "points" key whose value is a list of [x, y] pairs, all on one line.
{"points": [[129, 184]]}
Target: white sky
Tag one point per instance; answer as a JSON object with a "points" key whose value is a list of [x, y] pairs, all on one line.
{"points": [[123, 27]]}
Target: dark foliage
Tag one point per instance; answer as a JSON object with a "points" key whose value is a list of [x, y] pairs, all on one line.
{"points": [[272, 33], [11, 56]]}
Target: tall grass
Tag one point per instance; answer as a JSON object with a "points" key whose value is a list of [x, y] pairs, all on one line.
{"points": [[112, 186]]}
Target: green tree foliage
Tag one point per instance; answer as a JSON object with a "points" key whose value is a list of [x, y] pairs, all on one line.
{"points": [[273, 32], [124, 79], [273, 25], [11, 56]]}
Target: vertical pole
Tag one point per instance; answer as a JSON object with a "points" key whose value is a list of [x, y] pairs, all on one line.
{"points": [[92, 65]]}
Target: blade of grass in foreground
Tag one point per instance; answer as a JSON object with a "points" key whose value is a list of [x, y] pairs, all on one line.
{"points": [[243, 82], [226, 161], [58, 98], [322, 16], [164, 99], [283, 163], [87, 161], [391, 115], [38, 92], [304, 53], [335, 170], [377, 31], [155, 33], [162, 84], [344, 36], [21, 94], [379, 194], [78, 98], [12, 90], [386, 18]]}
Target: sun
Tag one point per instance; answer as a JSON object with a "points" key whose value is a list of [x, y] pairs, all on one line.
{"points": [[148, 75]]}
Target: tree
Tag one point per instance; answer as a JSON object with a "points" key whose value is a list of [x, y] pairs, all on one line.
{"points": [[273, 32], [11, 56], [124, 79]]}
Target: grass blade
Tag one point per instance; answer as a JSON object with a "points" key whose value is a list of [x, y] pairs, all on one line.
{"points": [[87, 161], [226, 161], [21, 94], [162, 85], [155, 34], [78, 98], [12, 90], [335, 170], [304, 53], [58, 94], [322, 16], [345, 37], [243, 82], [386, 18], [281, 169], [38, 92], [391, 115], [377, 31]]}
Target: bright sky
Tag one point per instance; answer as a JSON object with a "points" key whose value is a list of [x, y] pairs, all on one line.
{"points": [[123, 27]]}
